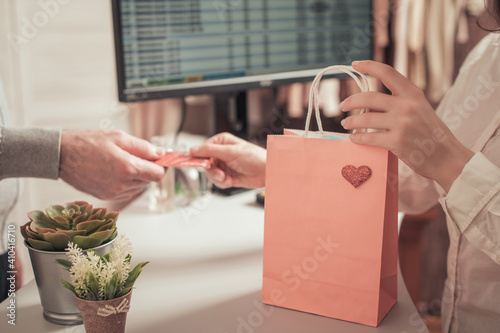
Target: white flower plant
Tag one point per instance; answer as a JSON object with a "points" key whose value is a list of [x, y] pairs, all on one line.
{"points": [[99, 278]]}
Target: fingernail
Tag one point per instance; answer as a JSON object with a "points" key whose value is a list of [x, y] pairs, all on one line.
{"points": [[355, 63], [341, 105], [194, 150], [343, 122], [159, 151]]}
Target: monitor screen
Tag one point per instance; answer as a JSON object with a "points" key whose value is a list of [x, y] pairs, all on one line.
{"points": [[170, 48]]}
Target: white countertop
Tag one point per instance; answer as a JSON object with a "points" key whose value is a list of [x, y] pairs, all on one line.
{"points": [[205, 275]]}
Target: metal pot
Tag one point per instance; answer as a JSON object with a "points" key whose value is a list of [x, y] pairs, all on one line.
{"points": [[59, 306]]}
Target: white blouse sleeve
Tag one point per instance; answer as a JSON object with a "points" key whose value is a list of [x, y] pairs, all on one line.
{"points": [[473, 205]]}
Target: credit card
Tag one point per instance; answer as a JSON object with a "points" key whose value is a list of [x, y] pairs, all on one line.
{"points": [[183, 159]]}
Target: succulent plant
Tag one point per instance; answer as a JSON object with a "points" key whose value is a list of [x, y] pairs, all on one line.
{"points": [[77, 222]]}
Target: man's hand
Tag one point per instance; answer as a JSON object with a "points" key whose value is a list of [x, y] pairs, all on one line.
{"points": [[108, 164]]}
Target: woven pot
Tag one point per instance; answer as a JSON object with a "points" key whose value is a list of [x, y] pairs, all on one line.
{"points": [[104, 316]]}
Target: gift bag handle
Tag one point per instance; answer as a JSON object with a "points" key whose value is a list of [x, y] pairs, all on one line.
{"points": [[314, 93]]}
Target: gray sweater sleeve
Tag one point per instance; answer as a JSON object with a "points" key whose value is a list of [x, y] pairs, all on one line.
{"points": [[29, 152]]}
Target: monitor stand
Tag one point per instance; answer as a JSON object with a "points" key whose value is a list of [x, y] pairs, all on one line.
{"points": [[231, 113]]}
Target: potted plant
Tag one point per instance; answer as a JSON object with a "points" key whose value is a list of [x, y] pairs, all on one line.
{"points": [[47, 235], [102, 285]]}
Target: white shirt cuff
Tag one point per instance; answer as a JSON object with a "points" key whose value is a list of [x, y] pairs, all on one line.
{"points": [[474, 188]]}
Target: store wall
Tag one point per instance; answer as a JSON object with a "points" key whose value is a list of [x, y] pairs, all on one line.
{"points": [[57, 66], [61, 59]]}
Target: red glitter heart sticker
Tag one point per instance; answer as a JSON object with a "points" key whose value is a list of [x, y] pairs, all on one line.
{"points": [[356, 176]]}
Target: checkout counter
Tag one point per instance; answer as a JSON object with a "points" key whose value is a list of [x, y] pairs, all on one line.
{"points": [[205, 275]]}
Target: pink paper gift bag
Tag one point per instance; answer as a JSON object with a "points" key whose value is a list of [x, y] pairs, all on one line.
{"points": [[330, 238]]}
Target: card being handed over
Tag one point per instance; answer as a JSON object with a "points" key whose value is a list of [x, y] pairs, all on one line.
{"points": [[183, 159]]}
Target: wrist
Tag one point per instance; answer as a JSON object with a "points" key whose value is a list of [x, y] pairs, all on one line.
{"points": [[452, 167]]}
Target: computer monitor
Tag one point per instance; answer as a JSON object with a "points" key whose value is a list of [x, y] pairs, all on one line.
{"points": [[174, 48]]}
